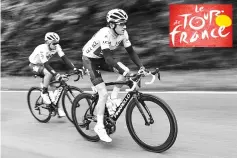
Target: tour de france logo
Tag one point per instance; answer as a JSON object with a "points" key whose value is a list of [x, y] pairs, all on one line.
{"points": [[201, 25]]}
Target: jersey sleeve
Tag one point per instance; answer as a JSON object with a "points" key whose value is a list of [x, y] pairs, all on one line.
{"points": [[42, 54], [59, 50], [104, 39], [126, 41]]}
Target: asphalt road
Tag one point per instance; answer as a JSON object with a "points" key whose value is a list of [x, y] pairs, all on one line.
{"points": [[207, 129]]}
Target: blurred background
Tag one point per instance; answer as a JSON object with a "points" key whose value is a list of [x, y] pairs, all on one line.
{"points": [[25, 22]]}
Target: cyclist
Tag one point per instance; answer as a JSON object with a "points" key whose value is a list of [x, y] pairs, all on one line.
{"points": [[39, 63], [97, 55]]}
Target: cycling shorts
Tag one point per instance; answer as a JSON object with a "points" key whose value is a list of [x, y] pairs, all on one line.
{"points": [[93, 65], [37, 69]]}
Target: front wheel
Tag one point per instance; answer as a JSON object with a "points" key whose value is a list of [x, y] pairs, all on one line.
{"points": [[151, 123], [83, 115], [38, 109], [67, 99]]}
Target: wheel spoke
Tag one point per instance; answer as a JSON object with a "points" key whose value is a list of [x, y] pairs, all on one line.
{"points": [[162, 130], [83, 116], [35, 104]]}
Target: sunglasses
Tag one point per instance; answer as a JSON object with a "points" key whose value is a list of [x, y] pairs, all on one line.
{"points": [[55, 43], [121, 24]]}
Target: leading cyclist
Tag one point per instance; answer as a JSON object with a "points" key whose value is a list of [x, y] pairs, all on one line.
{"points": [[97, 55], [39, 63]]}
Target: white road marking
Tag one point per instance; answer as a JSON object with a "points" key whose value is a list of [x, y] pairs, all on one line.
{"points": [[156, 92]]}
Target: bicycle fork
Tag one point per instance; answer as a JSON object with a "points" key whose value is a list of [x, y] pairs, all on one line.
{"points": [[141, 104]]}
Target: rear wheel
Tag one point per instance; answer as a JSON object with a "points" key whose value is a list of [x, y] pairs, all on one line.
{"points": [[67, 99], [83, 116], [159, 133], [38, 109]]}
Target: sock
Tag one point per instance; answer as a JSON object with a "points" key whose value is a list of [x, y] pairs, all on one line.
{"points": [[100, 120], [115, 92]]}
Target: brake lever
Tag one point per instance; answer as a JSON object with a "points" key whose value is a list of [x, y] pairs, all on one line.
{"points": [[78, 77], [157, 71], [158, 75], [152, 80]]}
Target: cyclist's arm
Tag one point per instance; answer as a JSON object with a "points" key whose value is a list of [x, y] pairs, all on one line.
{"points": [[133, 55], [44, 60], [104, 40], [110, 61], [67, 61], [128, 46], [49, 68], [64, 57]]}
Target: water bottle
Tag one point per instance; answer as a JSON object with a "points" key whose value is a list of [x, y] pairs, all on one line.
{"points": [[52, 96], [94, 89], [57, 93], [110, 106], [51, 93]]}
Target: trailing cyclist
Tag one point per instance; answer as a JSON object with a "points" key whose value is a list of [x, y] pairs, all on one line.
{"points": [[39, 63], [97, 55]]}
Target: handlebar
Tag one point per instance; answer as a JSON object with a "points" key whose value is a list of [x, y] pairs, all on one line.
{"points": [[137, 77], [66, 78], [78, 75]]}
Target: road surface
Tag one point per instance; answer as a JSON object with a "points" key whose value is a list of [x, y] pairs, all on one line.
{"points": [[207, 129]]}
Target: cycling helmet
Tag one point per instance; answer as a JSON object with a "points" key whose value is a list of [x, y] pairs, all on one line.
{"points": [[51, 36], [117, 16]]}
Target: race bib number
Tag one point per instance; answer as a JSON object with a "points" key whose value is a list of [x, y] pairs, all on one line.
{"points": [[36, 68]]}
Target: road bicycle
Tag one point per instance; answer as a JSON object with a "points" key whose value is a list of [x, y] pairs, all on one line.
{"points": [[43, 112], [141, 110]]}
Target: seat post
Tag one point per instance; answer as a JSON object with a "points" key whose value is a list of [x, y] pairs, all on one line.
{"points": [[115, 83]]}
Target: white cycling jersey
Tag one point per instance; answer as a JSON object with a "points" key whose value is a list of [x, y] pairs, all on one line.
{"points": [[104, 39], [42, 53]]}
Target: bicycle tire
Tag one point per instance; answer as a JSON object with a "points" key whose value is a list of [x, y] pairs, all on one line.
{"points": [[71, 88], [171, 117], [85, 122], [48, 117]]}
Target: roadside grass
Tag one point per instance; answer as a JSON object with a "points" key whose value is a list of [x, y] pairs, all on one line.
{"points": [[203, 80]]}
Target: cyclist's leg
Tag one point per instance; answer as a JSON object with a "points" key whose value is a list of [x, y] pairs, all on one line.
{"points": [[92, 66], [39, 70], [116, 89], [47, 78], [100, 107], [97, 81]]}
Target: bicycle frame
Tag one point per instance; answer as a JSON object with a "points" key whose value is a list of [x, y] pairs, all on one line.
{"points": [[136, 102], [60, 89], [128, 97], [133, 93], [59, 94], [126, 100]]}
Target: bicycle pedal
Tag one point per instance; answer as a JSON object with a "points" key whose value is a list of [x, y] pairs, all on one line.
{"points": [[54, 113], [41, 106], [85, 123], [82, 125], [37, 108], [93, 118], [87, 127]]}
